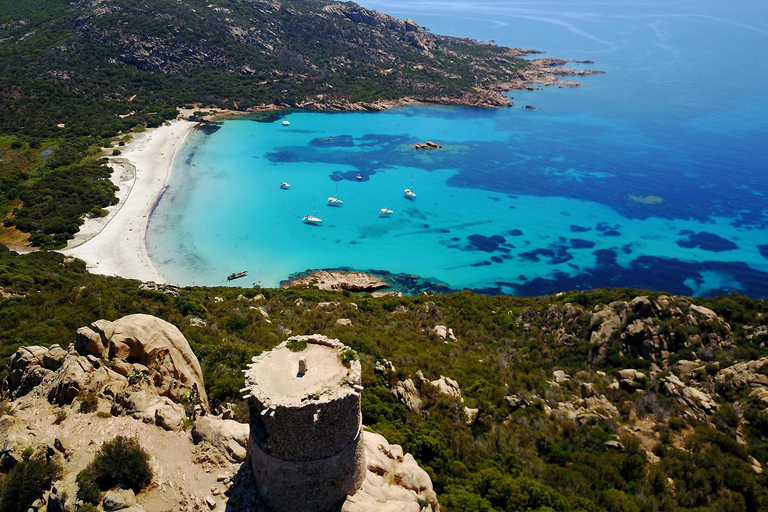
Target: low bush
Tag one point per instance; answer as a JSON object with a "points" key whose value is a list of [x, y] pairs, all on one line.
{"points": [[120, 462]]}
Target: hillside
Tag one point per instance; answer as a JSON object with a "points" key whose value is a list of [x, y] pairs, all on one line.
{"points": [[611, 400], [81, 63]]}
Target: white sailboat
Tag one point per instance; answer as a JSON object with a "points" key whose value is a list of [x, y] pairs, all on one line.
{"points": [[384, 212], [285, 185], [409, 193], [335, 201], [313, 219]]}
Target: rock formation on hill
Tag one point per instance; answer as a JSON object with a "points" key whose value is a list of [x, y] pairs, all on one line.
{"points": [[138, 377]]}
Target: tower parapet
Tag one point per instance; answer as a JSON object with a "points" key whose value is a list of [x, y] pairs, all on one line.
{"points": [[306, 445]]}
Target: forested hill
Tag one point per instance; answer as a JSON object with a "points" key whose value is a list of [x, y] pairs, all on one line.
{"points": [[82, 62]]}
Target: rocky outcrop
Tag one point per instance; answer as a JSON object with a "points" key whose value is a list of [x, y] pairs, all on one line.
{"points": [[153, 343], [139, 365], [631, 380], [654, 329], [584, 410], [741, 376], [337, 280], [409, 392], [694, 399], [394, 481]]}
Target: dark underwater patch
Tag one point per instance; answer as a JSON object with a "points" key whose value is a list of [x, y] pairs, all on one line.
{"points": [[486, 243], [579, 229], [605, 227], [339, 141], [763, 250], [705, 241], [578, 243], [646, 272], [209, 128], [610, 232], [514, 232]]}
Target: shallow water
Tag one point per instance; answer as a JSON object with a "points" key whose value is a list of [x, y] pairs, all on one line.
{"points": [[652, 175]]}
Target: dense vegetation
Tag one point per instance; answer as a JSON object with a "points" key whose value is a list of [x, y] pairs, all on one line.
{"points": [[655, 454]]}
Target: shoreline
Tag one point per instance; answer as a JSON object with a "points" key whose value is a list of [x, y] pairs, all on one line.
{"points": [[116, 245]]}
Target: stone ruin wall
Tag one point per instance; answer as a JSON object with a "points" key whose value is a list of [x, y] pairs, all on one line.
{"points": [[313, 430], [311, 455]]}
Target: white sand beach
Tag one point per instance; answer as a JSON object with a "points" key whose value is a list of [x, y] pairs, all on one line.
{"points": [[116, 244]]}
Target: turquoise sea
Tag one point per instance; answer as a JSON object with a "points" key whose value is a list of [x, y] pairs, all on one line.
{"points": [[653, 175]]}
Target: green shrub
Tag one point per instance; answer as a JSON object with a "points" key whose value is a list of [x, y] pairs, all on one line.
{"points": [[188, 306], [26, 482], [122, 462], [87, 488], [297, 345], [60, 415], [348, 356], [116, 152], [89, 402]]}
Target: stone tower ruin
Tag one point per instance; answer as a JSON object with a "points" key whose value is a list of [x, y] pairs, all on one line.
{"points": [[306, 442]]}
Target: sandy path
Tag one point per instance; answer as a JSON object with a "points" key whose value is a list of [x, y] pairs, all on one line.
{"points": [[116, 244]]}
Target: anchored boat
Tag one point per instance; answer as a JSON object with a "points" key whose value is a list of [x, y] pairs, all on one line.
{"points": [[335, 201], [237, 275], [313, 219]]}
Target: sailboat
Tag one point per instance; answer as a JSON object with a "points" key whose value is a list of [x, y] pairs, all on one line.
{"points": [[313, 219], [409, 193], [335, 201], [384, 212]]}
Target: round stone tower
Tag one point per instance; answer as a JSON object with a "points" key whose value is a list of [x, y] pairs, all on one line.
{"points": [[306, 444]]}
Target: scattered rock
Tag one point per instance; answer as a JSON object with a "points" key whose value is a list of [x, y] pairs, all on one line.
{"points": [[228, 436], [168, 289], [344, 322], [517, 402], [197, 322], [442, 332], [118, 500]]}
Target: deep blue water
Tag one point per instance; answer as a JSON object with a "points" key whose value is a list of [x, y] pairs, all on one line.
{"points": [[653, 175]]}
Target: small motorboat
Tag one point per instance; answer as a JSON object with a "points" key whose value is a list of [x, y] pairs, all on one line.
{"points": [[237, 275], [385, 212], [285, 186], [359, 178], [286, 123]]}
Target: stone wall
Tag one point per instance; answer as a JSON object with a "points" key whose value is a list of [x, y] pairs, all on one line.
{"points": [[315, 430], [318, 485], [307, 452]]}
